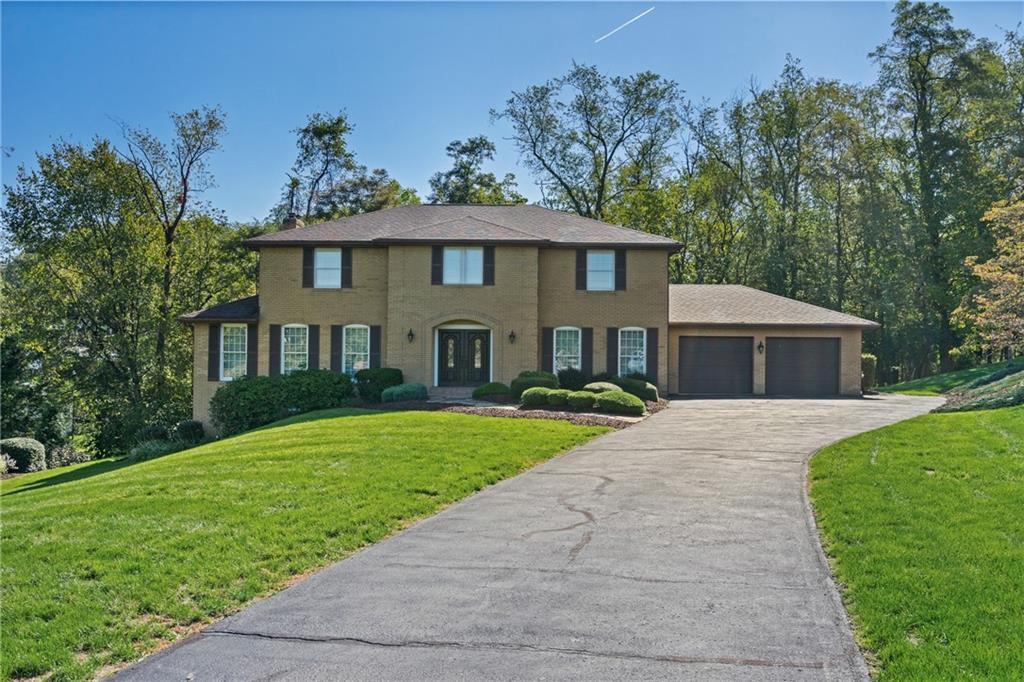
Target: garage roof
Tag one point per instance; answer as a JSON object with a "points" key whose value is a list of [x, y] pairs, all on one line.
{"points": [[737, 305]]}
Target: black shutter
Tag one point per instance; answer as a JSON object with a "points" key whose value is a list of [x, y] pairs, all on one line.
{"points": [[547, 349], [611, 362], [437, 265], [581, 268], [252, 353], [346, 268], [488, 265], [307, 267], [213, 354], [587, 351], [337, 332], [652, 355], [620, 269], [313, 347], [275, 350], [374, 345]]}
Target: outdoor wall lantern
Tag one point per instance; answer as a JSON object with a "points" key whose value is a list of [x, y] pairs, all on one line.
{"points": [[760, 346], [411, 335], [512, 336]]}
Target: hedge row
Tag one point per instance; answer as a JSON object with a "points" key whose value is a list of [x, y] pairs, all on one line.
{"points": [[249, 402], [615, 402]]}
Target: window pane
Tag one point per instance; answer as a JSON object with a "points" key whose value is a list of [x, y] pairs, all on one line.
{"points": [[474, 265], [294, 351], [601, 270], [327, 268], [452, 265], [600, 281], [328, 278], [567, 349], [632, 352], [233, 351], [356, 353], [327, 258]]}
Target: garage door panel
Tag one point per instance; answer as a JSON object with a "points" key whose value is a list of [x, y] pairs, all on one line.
{"points": [[716, 365], [802, 366]]}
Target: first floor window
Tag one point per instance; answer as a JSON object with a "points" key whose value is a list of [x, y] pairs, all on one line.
{"points": [[355, 348], [632, 351], [327, 268], [567, 348], [294, 348], [463, 265], [233, 351], [600, 270]]}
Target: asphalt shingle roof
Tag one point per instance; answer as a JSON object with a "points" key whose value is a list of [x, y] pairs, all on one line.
{"points": [[521, 223], [243, 310], [737, 305]]}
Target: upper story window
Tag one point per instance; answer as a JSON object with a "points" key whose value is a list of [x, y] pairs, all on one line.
{"points": [[355, 353], [567, 348], [327, 268], [294, 348], [233, 351], [463, 265], [632, 351], [600, 270]]}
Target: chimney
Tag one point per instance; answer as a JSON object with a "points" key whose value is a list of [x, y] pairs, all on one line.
{"points": [[291, 222]]}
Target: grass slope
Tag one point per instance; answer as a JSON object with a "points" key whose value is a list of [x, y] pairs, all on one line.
{"points": [[996, 391], [923, 522], [104, 561], [938, 384]]}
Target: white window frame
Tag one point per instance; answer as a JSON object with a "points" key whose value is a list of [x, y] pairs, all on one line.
{"points": [[601, 252], [344, 348], [643, 348], [245, 348], [285, 353], [462, 276], [317, 269], [554, 348]]}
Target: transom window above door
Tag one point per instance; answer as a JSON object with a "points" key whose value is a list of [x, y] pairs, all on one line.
{"points": [[463, 265], [600, 270], [327, 268]]}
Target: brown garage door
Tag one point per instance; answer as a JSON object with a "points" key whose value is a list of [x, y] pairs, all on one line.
{"points": [[801, 366], [716, 365]]}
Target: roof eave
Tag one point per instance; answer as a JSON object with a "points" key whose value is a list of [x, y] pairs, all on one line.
{"points": [[866, 324]]}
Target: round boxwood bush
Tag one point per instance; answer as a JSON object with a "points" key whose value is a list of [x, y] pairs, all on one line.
{"points": [[401, 392], [572, 379], [581, 400], [189, 431], [493, 389], [521, 383], [620, 402], [536, 396], [641, 388], [537, 374], [63, 455], [558, 397], [371, 382], [28, 453], [151, 432], [601, 387]]}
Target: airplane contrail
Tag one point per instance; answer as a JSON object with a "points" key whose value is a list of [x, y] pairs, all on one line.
{"points": [[616, 30]]}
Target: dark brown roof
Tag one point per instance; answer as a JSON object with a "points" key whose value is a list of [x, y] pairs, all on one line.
{"points": [[521, 223], [243, 310], [736, 305]]}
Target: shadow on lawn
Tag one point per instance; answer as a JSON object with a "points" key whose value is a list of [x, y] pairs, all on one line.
{"points": [[96, 468]]}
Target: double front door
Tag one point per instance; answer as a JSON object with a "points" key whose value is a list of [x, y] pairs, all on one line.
{"points": [[463, 357]]}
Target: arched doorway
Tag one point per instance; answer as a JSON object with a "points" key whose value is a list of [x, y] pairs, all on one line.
{"points": [[462, 354]]}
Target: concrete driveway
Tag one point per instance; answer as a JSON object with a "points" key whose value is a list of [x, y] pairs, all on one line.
{"points": [[678, 548]]}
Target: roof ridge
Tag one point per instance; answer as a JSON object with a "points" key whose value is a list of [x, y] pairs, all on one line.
{"points": [[803, 303]]}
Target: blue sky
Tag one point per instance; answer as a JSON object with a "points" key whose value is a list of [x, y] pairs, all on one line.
{"points": [[412, 77]]}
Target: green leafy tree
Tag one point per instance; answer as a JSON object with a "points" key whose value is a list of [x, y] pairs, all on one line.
{"points": [[466, 182]]}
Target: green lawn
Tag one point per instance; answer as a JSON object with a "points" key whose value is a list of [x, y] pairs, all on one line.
{"points": [[106, 560], [938, 384], [924, 523]]}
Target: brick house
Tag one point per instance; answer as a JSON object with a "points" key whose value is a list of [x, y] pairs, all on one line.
{"points": [[459, 295]]}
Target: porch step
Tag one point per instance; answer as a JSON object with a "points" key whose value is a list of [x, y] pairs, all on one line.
{"points": [[450, 393]]}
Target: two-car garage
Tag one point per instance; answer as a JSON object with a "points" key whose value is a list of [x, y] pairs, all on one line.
{"points": [[728, 340]]}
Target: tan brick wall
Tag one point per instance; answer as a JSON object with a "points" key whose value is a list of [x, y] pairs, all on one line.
{"points": [[849, 350], [510, 304], [644, 303]]}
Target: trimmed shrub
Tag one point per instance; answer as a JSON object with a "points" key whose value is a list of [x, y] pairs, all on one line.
{"points": [[371, 382], [493, 389], [868, 369], [536, 396], [581, 400], [249, 402], [151, 432], [189, 431], [995, 376], [537, 374], [558, 397], [602, 376], [601, 387], [521, 384], [641, 377], [28, 453], [63, 455], [620, 402], [6, 464], [401, 392], [151, 449], [639, 387], [572, 379]]}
